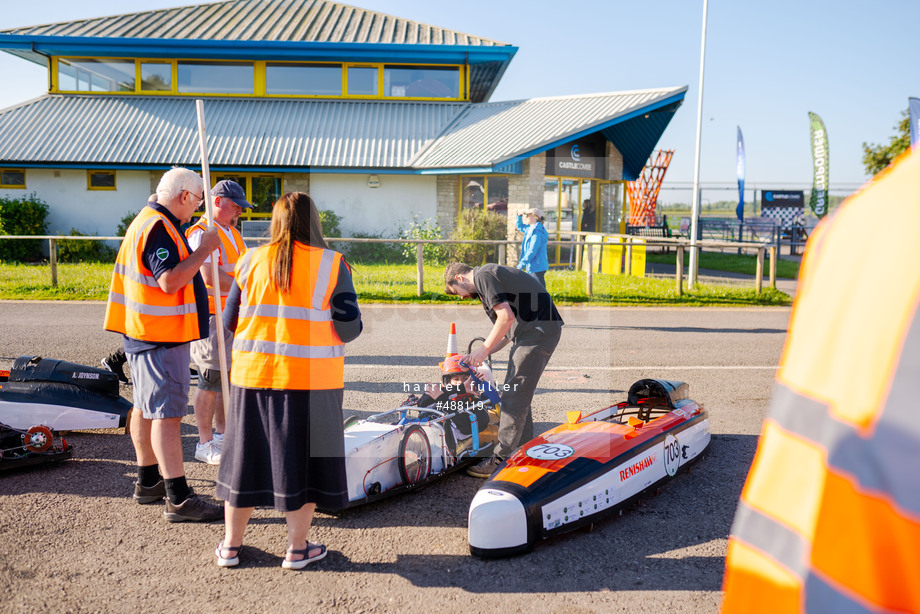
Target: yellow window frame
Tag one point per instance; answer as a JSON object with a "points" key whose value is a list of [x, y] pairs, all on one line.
{"points": [[485, 187], [248, 214], [259, 79], [89, 180], [13, 186]]}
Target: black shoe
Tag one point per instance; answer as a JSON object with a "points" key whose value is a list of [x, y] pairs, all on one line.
{"points": [[485, 468], [116, 366], [150, 494], [193, 509]]}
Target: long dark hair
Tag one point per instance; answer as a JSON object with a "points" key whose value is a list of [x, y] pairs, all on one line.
{"points": [[294, 218]]}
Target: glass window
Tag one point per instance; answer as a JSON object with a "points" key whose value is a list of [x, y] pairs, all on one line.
{"points": [[266, 191], [362, 81], [101, 180], [472, 192], [12, 178], [587, 215], [497, 197], [611, 207], [421, 82], [261, 190], [303, 80], [95, 75], [215, 77], [156, 77]]}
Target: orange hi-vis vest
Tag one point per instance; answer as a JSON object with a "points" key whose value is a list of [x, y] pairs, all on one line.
{"points": [[228, 256], [288, 341], [137, 305], [829, 518]]}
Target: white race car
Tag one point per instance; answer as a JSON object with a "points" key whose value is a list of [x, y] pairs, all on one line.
{"points": [[411, 445]]}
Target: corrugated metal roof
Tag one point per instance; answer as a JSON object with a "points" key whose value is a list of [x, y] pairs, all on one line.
{"points": [[241, 133], [491, 133], [420, 136], [262, 20]]}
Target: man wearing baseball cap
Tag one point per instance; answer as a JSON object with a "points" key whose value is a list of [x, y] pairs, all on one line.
{"points": [[229, 202]]}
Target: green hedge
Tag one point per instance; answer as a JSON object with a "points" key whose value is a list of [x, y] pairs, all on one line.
{"points": [[23, 216]]}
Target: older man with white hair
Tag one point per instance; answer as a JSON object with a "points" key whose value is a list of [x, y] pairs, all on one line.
{"points": [[158, 302]]}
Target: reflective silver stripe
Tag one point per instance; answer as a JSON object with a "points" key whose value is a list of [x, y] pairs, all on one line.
{"points": [[770, 537], [136, 276], [792, 552], [322, 278], [152, 310], [289, 350], [822, 597], [871, 462], [287, 312]]}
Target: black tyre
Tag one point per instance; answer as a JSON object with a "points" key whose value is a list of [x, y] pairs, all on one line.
{"points": [[349, 421], [414, 455]]}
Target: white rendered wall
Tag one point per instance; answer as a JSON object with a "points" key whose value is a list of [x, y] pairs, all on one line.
{"points": [[71, 205], [382, 210]]}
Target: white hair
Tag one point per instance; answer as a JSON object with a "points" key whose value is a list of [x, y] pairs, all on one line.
{"points": [[175, 181]]}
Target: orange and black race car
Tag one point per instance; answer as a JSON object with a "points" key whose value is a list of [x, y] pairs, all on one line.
{"points": [[588, 467]]}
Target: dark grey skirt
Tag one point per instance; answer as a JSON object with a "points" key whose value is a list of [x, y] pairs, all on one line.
{"points": [[284, 449]]}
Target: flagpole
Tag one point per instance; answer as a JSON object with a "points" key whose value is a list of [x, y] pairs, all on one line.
{"points": [[695, 206], [215, 271]]}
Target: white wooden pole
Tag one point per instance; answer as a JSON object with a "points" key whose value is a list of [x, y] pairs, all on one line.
{"points": [[695, 202], [215, 271]]}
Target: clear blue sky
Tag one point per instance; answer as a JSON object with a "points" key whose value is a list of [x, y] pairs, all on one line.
{"points": [[767, 65]]}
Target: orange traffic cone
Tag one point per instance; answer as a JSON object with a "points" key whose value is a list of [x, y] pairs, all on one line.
{"points": [[452, 341]]}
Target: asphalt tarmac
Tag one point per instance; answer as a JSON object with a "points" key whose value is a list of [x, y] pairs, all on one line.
{"points": [[72, 539]]}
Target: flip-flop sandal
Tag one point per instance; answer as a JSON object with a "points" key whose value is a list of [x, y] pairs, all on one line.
{"points": [[230, 561], [305, 553]]}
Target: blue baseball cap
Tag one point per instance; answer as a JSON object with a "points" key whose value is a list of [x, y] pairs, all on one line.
{"points": [[228, 188]]}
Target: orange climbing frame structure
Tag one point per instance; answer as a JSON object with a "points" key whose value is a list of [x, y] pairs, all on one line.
{"points": [[643, 192]]}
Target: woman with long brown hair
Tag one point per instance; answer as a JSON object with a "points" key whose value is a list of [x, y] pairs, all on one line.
{"points": [[292, 307]]}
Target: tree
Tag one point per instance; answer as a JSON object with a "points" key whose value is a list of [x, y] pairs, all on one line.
{"points": [[877, 157]]}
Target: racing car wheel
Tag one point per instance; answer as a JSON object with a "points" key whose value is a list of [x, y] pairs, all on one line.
{"points": [[414, 455]]}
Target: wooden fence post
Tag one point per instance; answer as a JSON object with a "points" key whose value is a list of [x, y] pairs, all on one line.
{"points": [[419, 269], [589, 288], [773, 267], [680, 270], [52, 253], [502, 256], [758, 278]]}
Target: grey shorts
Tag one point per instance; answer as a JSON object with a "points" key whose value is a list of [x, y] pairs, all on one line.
{"points": [[161, 381], [205, 357]]}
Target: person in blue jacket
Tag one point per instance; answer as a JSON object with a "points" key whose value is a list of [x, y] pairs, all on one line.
{"points": [[533, 248]]}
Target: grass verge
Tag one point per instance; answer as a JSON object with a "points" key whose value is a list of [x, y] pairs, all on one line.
{"points": [[732, 263], [397, 284]]}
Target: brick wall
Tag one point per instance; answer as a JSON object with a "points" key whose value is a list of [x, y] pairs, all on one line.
{"points": [[448, 199], [295, 182]]}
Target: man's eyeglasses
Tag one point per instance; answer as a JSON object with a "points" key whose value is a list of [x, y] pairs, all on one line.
{"points": [[200, 198]]}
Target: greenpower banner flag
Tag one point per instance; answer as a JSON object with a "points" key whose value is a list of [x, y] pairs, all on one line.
{"points": [[819, 152]]}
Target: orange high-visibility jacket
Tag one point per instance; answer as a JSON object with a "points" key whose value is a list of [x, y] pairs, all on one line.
{"points": [[228, 256], [137, 305], [288, 341], [829, 518]]}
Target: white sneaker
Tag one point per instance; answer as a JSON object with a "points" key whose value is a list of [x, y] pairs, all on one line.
{"points": [[208, 452], [218, 439]]}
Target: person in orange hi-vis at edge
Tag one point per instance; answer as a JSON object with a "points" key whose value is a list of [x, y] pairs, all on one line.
{"points": [[829, 518]]}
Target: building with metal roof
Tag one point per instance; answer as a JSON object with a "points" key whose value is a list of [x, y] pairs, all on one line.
{"points": [[380, 118]]}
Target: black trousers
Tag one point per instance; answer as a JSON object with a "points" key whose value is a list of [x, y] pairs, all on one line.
{"points": [[530, 354]]}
